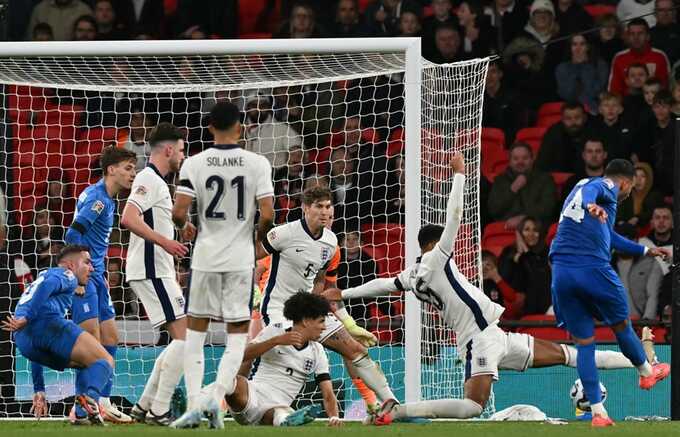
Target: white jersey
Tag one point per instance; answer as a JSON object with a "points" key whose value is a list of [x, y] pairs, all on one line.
{"points": [[462, 306], [150, 194], [297, 257], [226, 181], [283, 370]]}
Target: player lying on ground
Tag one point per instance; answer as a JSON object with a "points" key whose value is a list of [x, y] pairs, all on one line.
{"points": [[44, 336], [285, 359], [473, 317], [301, 251], [229, 185], [150, 267], [586, 287], [91, 227]]}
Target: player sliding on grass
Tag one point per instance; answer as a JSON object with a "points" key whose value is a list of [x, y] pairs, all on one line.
{"points": [[471, 314], [44, 336], [286, 357]]}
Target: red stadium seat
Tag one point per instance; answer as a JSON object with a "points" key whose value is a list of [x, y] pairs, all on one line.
{"points": [[597, 10], [24, 100], [497, 235], [255, 35], [560, 179], [385, 243], [249, 12], [494, 154], [106, 134], [550, 235], [544, 332], [604, 334], [532, 136], [549, 114]]}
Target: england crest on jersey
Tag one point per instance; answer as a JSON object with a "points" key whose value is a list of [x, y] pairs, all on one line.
{"points": [[325, 255]]}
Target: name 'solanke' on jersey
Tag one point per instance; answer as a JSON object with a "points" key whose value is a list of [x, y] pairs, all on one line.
{"points": [[217, 161]]}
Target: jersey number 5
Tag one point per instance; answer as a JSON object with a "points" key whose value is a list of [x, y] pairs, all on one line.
{"points": [[574, 210], [216, 183]]}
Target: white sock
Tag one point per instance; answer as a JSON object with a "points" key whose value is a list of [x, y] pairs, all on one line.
{"points": [[645, 369], [171, 372], [225, 382], [599, 409], [152, 384], [373, 377], [442, 408], [193, 366], [280, 414], [603, 359], [105, 401]]}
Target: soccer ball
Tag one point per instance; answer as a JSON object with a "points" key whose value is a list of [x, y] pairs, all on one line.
{"points": [[578, 397]]}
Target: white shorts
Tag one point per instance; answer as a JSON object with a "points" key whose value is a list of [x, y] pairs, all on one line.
{"points": [[259, 402], [221, 296], [333, 325], [162, 298], [494, 349]]}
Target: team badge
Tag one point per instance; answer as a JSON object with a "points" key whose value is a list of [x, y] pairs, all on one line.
{"points": [[325, 254], [141, 190], [481, 361], [309, 365], [272, 235], [98, 206], [180, 301]]}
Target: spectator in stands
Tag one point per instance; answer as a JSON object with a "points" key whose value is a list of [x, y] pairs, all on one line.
{"points": [[562, 144], [442, 13], [634, 104], [522, 190], [447, 41], [61, 15], [661, 234], [594, 159], [41, 242], [526, 74], [145, 18], [656, 145], [302, 23], [409, 24], [265, 135], [479, 38], [108, 26], [666, 34], [608, 42], [498, 290], [525, 266], [344, 185], [541, 25], [395, 209], [509, 18], [675, 92], [381, 18], [347, 20], [637, 208], [85, 28], [43, 32], [60, 201], [502, 108], [630, 9], [639, 51], [213, 18], [584, 76], [572, 17], [617, 136], [134, 138], [4, 215], [288, 182], [355, 268]]}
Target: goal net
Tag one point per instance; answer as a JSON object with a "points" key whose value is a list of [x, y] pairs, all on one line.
{"points": [[341, 118]]}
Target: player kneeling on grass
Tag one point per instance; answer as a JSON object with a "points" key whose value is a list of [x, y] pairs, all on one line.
{"points": [[285, 358], [44, 335], [436, 280]]}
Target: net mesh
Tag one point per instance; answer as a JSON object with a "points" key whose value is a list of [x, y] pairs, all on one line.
{"points": [[334, 119]]}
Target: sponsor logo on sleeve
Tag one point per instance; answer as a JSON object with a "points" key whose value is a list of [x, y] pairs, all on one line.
{"points": [[98, 206], [141, 190]]}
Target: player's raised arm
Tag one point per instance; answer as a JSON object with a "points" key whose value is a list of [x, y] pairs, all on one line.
{"points": [[454, 206]]}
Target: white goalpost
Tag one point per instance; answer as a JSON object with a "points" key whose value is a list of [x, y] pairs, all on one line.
{"points": [[367, 116]]}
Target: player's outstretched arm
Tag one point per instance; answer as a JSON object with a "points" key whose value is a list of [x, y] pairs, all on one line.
{"points": [[624, 245], [132, 219], [376, 287], [257, 349], [330, 403], [454, 206]]}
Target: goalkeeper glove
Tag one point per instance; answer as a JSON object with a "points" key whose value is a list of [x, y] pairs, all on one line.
{"points": [[357, 332]]}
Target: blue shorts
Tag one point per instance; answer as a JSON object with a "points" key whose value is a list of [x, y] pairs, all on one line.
{"points": [[95, 304], [581, 294], [48, 342]]}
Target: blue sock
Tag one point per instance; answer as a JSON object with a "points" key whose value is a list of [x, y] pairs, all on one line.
{"points": [[81, 388], [587, 371], [631, 346], [97, 376], [107, 389]]}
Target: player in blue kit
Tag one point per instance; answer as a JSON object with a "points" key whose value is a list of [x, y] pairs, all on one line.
{"points": [[44, 335], [584, 284], [91, 228]]}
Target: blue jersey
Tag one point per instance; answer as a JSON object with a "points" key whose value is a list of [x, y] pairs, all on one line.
{"points": [[49, 296], [581, 239], [92, 223]]}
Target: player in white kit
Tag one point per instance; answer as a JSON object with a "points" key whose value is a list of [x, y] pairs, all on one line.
{"points": [[286, 357], [301, 251], [436, 280], [229, 184], [150, 267]]}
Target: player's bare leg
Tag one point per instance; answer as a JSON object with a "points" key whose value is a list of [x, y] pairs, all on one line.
{"points": [[548, 353], [632, 347], [367, 369]]}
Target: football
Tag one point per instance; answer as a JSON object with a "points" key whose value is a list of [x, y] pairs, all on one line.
{"points": [[578, 396]]}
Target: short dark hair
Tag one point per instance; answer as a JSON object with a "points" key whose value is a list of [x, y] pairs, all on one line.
{"points": [[486, 254], [521, 145], [663, 97], [594, 138], [89, 18], [112, 155], [653, 81], [303, 305], [638, 22], [43, 28], [637, 65], [620, 167], [164, 132], [316, 193], [429, 234], [71, 249], [572, 105], [224, 115], [663, 206]]}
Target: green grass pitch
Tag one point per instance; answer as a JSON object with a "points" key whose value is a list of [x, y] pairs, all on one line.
{"points": [[354, 429]]}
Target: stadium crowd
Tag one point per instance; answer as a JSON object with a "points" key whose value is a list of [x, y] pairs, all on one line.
{"points": [[553, 113]]}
